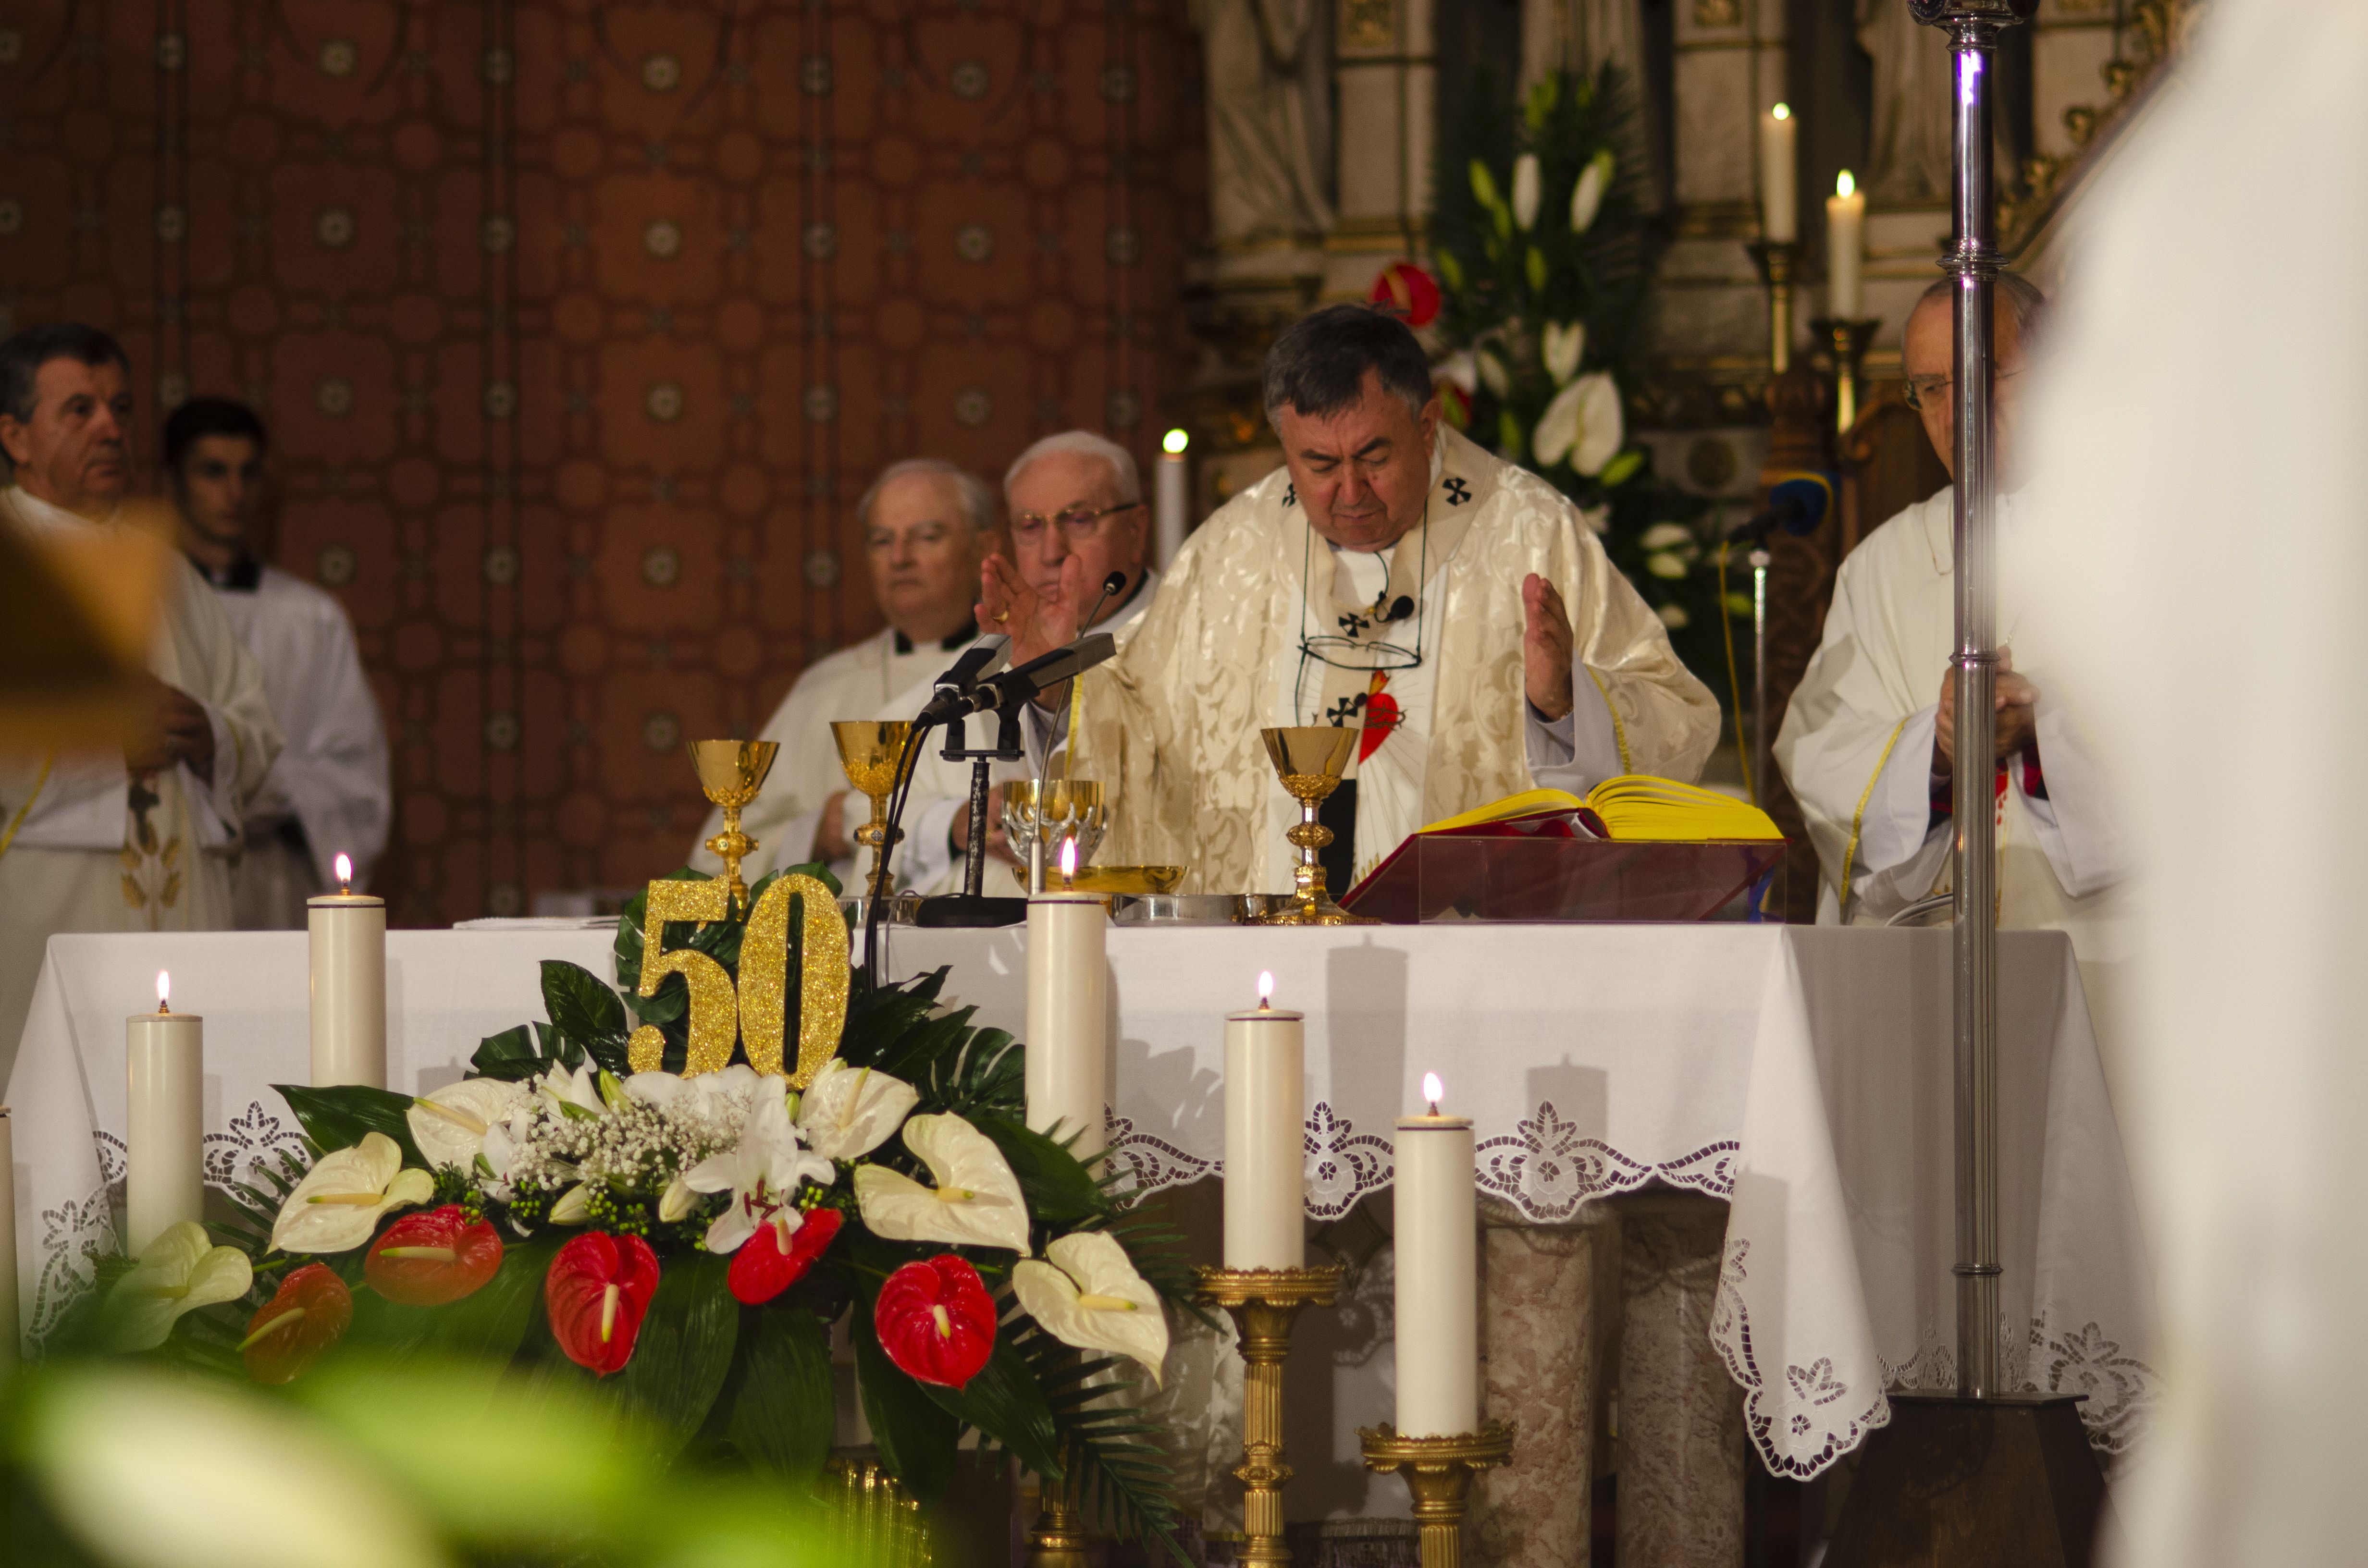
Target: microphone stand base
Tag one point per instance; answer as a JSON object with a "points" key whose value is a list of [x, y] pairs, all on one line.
{"points": [[961, 911]]}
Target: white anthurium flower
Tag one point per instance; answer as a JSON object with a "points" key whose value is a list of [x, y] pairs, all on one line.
{"points": [[571, 1094], [761, 1172], [1674, 616], [1667, 536], [1088, 1295], [1460, 369], [1587, 196], [1601, 432], [575, 1205], [338, 1204], [1564, 345], [850, 1111], [450, 1124], [975, 1203], [1493, 374], [180, 1271], [1666, 564], [1527, 191], [1557, 429]]}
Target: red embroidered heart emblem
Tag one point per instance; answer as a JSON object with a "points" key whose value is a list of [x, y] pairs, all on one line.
{"points": [[1381, 718]]}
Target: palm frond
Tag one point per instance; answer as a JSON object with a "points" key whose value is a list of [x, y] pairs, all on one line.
{"points": [[1120, 1475]]}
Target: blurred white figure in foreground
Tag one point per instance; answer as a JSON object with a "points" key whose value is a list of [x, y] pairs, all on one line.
{"points": [[2212, 366]]}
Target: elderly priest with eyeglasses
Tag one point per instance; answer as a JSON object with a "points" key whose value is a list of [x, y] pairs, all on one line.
{"points": [[1391, 578]]}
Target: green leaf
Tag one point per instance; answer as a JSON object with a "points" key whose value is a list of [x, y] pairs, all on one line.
{"points": [[1619, 468], [341, 1117], [1508, 435], [916, 1437], [684, 1349], [1060, 1191], [1004, 1402], [583, 1009], [784, 1411], [1484, 185], [1541, 101], [509, 1055], [1534, 268]]}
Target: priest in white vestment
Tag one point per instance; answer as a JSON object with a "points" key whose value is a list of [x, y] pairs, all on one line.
{"points": [[926, 524], [329, 792], [139, 837], [1392, 577], [1868, 741]]}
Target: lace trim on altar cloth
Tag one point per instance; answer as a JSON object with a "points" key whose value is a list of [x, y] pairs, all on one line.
{"points": [[1547, 1168], [77, 1235]]}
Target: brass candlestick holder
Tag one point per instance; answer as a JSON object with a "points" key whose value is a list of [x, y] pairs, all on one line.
{"points": [[1309, 758], [869, 751], [1263, 1303], [1847, 343], [1058, 1539], [1778, 261], [730, 774], [1439, 1472]]}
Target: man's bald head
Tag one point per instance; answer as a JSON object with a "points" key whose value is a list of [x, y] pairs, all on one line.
{"points": [[1928, 357]]}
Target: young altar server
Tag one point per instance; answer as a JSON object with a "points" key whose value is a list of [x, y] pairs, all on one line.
{"points": [[139, 838], [329, 792], [926, 524], [1391, 576]]}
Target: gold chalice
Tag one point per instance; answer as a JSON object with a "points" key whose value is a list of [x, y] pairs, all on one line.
{"points": [[869, 751], [730, 774], [1309, 758]]}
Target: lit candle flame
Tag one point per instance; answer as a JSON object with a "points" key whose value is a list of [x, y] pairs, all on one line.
{"points": [[1174, 443], [1068, 859], [1266, 989], [1844, 184], [1782, 111], [163, 992], [345, 874], [1431, 1091]]}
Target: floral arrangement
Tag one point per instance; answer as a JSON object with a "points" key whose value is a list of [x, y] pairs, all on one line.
{"points": [[685, 1244]]}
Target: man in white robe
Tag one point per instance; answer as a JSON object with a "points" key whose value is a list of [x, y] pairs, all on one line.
{"points": [[926, 524], [1868, 742], [329, 792], [1393, 577], [139, 837]]}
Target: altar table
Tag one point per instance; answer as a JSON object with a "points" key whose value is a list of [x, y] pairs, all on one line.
{"points": [[1801, 1075]]}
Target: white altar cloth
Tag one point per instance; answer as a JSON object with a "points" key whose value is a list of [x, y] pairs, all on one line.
{"points": [[1801, 1074]]}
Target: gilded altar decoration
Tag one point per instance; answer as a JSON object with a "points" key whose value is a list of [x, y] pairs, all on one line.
{"points": [[754, 1011]]}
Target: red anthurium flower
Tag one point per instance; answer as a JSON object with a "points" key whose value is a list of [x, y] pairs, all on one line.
{"points": [[936, 1320], [308, 1314], [426, 1260], [768, 1264], [1409, 291], [597, 1291]]}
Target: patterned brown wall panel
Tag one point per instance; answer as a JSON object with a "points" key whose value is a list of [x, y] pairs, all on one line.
{"points": [[582, 327]]}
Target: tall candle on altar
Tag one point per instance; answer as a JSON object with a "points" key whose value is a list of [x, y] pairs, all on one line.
{"points": [[348, 939], [1845, 250], [1168, 514], [1068, 1003], [1438, 1274], [1266, 1154], [11, 1330], [165, 1175], [1780, 198]]}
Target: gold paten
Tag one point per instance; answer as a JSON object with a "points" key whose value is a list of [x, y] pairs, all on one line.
{"points": [[1309, 758], [730, 773]]}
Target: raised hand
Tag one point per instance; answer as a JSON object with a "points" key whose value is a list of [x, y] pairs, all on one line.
{"points": [[1546, 645], [1036, 623]]}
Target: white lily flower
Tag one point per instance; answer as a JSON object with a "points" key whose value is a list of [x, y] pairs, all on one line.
{"points": [[1564, 345], [450, 1124], [850, 1111], [1493, 374], [180, 1271], [1460, 369], [762, 1173], [975, 1203], [575, 1205], [571, 1094], [338, 1204], [1587, 196], [1526, 191], [1088, 1295], [676, 1200]]}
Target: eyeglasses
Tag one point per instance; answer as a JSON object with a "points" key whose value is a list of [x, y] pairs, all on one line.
{"points": [[1921, 387], [1077, 522]]}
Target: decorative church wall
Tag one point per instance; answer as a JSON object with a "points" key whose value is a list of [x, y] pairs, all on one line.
{"points": [[581, 328]]}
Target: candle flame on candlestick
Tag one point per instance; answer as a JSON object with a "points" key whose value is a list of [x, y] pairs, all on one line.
{"points": [[1068, 859], [163, 992], [1431, 1090], [345, 874], [1782, 111], [1844, 184], [1266, 989]]}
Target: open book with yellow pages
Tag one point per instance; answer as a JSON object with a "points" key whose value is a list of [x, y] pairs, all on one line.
{"points": [[1634, 807]]}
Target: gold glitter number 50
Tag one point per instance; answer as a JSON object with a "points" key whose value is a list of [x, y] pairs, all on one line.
{"points": [[757, 1013]]}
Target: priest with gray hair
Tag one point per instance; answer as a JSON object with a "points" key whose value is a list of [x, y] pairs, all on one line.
{"points": [[1392, 577]]}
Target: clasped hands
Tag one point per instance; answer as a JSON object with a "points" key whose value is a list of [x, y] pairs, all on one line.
{"points": [[174, 729], [2016, 706]]}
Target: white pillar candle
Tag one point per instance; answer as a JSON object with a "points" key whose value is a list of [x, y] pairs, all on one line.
{"points": [[1845, 250], [1780, 197], [1168, 513], [1069, 1029], [11, 1330], [164, 1176], [1438, 1275], [348, 939], [1266, 1150]]}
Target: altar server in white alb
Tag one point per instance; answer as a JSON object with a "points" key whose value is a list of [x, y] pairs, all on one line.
{"points": [[1392, 577], [925, 523], [139, 837], [1869, 741], [1076, 495], [328, 794]]}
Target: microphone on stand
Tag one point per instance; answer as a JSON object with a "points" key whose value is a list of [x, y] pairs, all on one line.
{"points": [[1110, 585], [980, 661], [1014, 688], [1796, 503]]}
